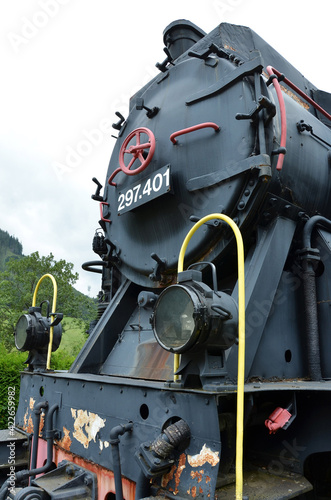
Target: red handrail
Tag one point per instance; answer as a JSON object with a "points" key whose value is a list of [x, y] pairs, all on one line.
{"points": [[192, 129], [271, 70], [301, 93]]}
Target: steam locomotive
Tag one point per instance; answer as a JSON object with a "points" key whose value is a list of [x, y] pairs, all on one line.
{"points": [[218, 187]]}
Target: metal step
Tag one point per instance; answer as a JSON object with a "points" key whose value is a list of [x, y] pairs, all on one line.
{"points": [[14, 449], [261, 485]]}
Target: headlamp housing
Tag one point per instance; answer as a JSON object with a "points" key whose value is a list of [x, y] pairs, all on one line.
{"points": [[32, 331], [189, 316]]}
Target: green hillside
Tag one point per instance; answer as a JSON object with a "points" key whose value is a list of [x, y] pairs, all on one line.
{"points": [[10, 247], [19, 275]]}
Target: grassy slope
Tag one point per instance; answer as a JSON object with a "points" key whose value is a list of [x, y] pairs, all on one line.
{"points": [[73, 339]]}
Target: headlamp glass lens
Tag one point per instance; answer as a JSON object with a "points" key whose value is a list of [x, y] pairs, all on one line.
{"points": [[20, 332], [174, 324]]}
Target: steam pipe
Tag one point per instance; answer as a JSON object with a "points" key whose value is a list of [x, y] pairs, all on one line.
{"points": [[309, 226], [310, 257], [117, 431], [313, 347], [49, 439]]}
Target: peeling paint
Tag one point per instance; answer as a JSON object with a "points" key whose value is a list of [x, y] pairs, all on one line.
{"points": [[166, 478], [205, 455], [174, 473], [27, 419], [103, 444], [180, 468], [86, 425], [66, 441], [28, 423], [294, 97], [41, 423], [197, 475]]}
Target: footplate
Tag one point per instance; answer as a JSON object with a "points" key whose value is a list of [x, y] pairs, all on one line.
{"points": [[259, 485]]}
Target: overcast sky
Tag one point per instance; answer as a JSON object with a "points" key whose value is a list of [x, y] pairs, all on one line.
{"points": [[68, 65]]}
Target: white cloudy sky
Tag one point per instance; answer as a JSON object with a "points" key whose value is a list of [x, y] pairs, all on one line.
{"points": [[68, 65]]}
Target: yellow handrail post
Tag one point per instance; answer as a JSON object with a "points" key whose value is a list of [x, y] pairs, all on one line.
{"points": [[241, 337], [49, 351]]}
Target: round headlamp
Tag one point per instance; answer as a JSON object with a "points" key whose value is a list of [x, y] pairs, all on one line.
{"points": [[189, 316], [32, 331], [23, 332], [178, 318]]}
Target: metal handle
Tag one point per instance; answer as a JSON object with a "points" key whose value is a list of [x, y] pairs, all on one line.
{"points": [[192, 129], [102, 203]]}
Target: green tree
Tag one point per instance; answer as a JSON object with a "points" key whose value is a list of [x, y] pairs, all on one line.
{"points": [[18, 283]]}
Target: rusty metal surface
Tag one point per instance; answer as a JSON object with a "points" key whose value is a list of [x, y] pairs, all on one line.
{"points": [[140, 357], [206, 455], [28, 421], [105, 477], [65, 441], [193, 476], [101, 403], [150, 359]]}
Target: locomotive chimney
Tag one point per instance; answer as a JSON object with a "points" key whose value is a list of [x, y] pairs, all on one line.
{"points": [[180, 35]]}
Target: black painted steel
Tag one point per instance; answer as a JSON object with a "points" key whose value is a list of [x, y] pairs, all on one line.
{"points": [[204, 135]]}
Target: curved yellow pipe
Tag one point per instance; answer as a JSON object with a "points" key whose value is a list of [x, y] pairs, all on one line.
{"points": [[49, 352], [241, 337]]}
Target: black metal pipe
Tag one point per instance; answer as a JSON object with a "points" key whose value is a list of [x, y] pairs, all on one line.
{"points": [[34, 453], [309, 226], [312, 335], [309, 258], [49, 439], [117, 431], [22, 475]]}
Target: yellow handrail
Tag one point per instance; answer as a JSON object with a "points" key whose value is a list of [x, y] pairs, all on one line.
{"points": [[241, 337], [49, 351]]}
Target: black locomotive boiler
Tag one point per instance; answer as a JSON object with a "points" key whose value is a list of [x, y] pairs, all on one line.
{"points": [[184, 390]]}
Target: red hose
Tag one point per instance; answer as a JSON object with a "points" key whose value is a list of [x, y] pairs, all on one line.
{"points": [[283, 126]]}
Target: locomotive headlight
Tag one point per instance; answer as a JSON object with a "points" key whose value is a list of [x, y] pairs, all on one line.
{"points": [[189, 315], [175, 321], [32, 331], [23, 332]]}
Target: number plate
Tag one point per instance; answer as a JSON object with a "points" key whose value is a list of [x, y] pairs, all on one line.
{"points": [[148, 189]]}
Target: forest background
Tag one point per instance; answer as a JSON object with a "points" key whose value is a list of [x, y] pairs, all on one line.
{"points": [[19, 275]]}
